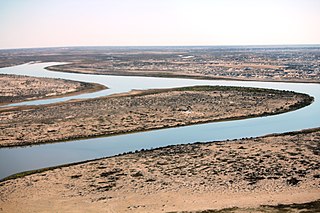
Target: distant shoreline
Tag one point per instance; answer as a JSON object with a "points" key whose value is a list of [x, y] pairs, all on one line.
{"points": [[156, 74]]}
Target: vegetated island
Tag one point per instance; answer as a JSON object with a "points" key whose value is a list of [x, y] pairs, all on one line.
{"points": [[17, 88], [141, 111], [240, 175]]}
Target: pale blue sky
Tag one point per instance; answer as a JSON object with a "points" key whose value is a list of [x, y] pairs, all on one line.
{"points": [[46, 23]]}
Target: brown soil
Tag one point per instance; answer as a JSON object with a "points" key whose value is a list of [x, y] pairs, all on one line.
{"points": [[242, 173], [140, 111], [16, 88]]}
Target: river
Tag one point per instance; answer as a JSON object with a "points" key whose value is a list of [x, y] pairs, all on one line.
{"points": [[20, 159]]}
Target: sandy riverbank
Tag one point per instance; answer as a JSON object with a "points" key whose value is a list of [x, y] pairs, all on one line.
{"points": [[246, 173], [140, 111]]}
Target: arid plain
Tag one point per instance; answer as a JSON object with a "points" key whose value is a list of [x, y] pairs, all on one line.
{"points": [[243, 175]]}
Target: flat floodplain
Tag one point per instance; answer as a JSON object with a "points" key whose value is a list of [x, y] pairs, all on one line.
{"points": [[286, 64]]}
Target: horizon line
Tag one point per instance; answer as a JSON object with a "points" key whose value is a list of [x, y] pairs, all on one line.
{"points": [[159, 46]]}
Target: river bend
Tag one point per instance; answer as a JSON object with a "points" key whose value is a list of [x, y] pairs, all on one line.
{"points": [[20, 159]]}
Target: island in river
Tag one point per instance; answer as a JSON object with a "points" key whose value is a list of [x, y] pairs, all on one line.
{"points": [[140, 111]]}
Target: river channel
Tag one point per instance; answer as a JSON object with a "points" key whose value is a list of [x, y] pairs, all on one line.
{"points": [[14, 160]]}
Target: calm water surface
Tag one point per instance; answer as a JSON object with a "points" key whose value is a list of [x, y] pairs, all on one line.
{"points": [[15, 160]]}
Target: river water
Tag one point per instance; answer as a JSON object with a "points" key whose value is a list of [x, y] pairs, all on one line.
{"points": [[20, 159]]}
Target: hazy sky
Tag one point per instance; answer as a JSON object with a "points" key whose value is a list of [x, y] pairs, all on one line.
{"points": [[45, 23]]}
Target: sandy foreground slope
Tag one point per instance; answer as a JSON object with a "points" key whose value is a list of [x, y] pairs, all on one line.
{"points": [[240, 173]]}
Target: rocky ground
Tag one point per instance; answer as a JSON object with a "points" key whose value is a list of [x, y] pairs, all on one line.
{"points": [[139, 111], [244, 173], [16, 88]]}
